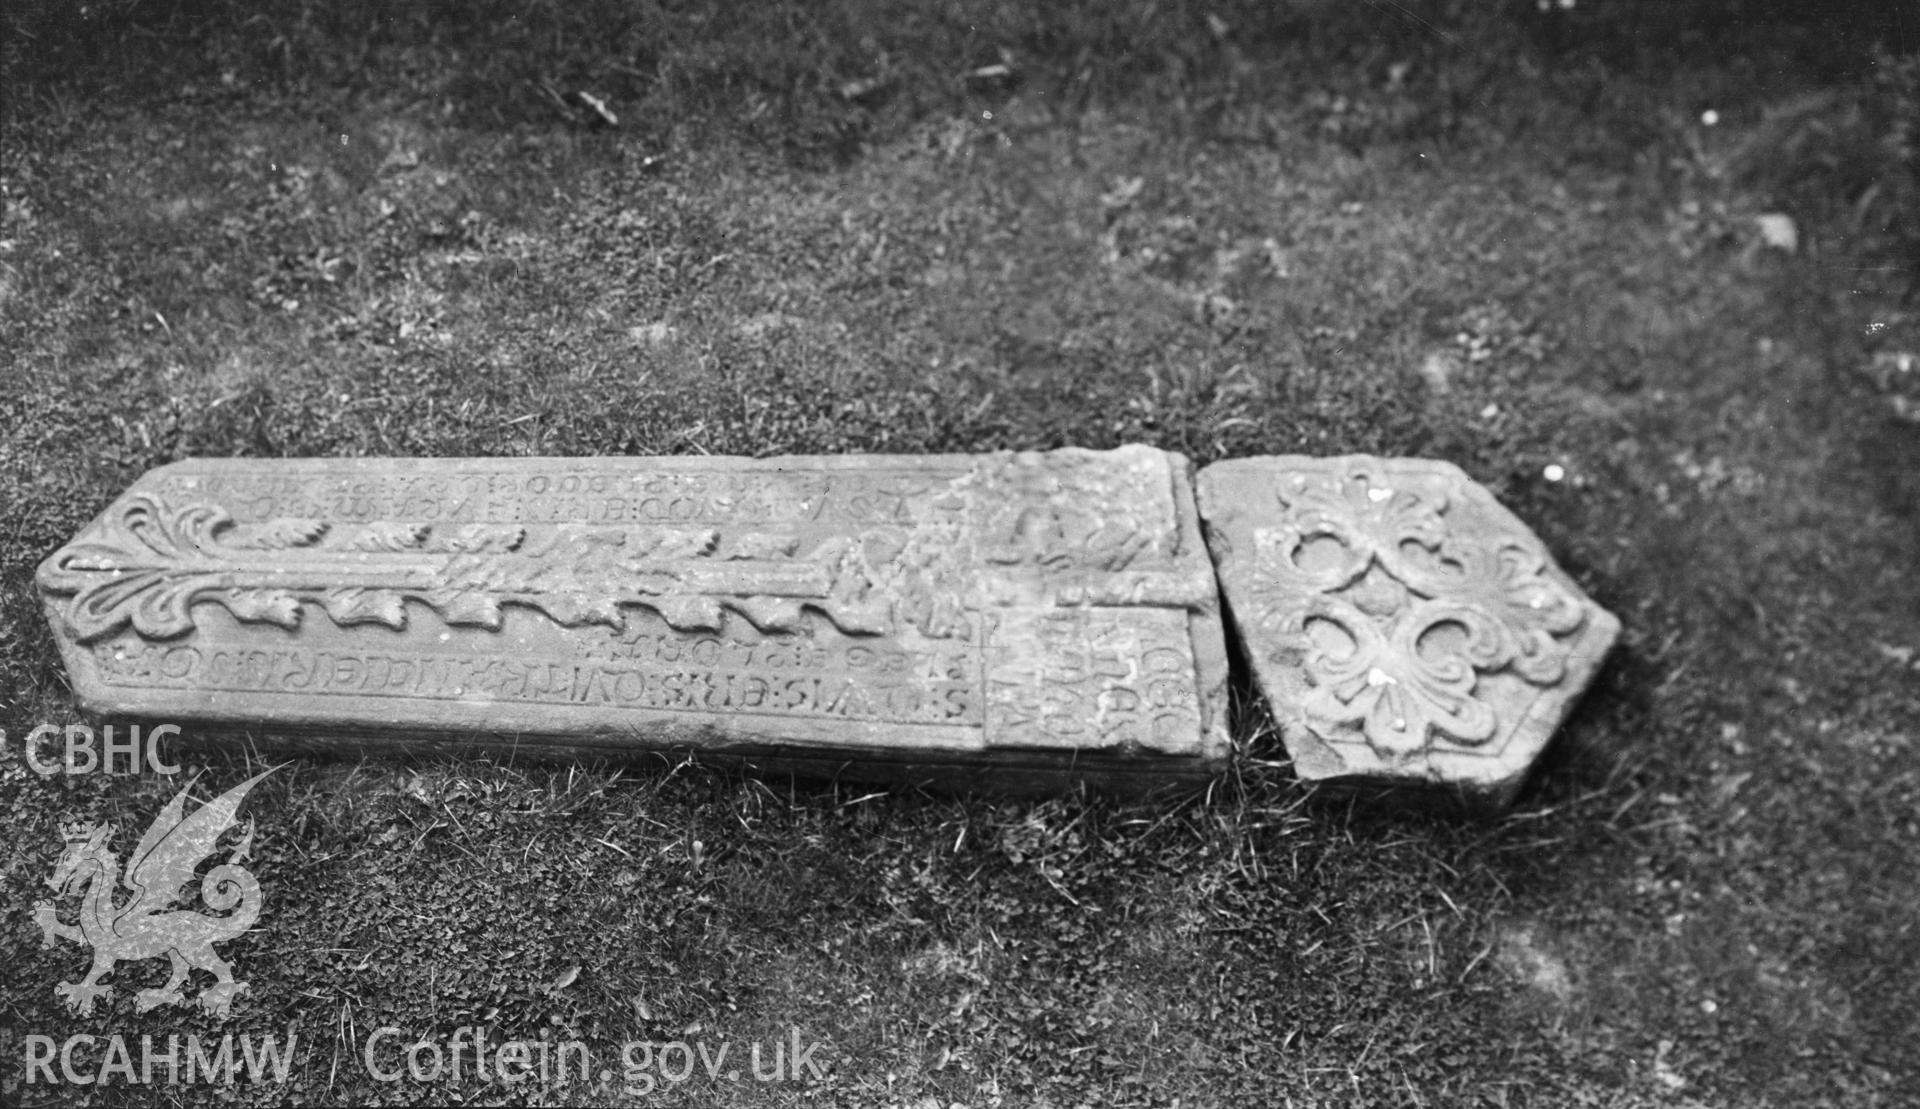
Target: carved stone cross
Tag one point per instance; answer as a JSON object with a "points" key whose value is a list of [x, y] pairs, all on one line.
{"points": [[1031, 617], [1405, 628]]}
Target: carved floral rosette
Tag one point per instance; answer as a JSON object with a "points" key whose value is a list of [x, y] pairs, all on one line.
{"points": [[1403, 625]]}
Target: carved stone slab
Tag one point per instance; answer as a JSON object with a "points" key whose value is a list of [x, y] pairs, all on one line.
{"points": [[1404, 627], [1050, 611]]}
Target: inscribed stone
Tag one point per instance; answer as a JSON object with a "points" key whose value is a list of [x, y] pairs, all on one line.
{"points": [[1054, 611]]}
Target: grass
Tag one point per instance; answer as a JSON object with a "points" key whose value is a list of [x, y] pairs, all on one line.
{"points": [[1463, 231]]}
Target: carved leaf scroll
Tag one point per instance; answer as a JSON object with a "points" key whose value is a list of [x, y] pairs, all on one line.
{"points": [[150, 564], [1402, 613]]}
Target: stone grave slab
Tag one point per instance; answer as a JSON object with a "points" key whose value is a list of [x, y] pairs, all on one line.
{"points": [[1404, 627], [933, 618]]}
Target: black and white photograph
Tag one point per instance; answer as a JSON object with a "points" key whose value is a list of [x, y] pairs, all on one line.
{"points": [[960, 554]]}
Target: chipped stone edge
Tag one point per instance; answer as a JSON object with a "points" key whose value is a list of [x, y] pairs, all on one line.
{"points": [[1206, 628], [1478, 780]]}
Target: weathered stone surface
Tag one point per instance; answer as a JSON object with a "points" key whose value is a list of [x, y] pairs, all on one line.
{"points": [[1049, 611], [1404, 627]]}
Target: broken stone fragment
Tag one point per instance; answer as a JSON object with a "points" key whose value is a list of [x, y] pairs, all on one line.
{"points": [[1053, 615], [1405, 629]]}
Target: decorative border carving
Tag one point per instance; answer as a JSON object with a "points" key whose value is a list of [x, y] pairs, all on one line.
{"points": [[148, 563]]}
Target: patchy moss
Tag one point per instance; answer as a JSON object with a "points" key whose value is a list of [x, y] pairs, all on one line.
{"points": [[1461, 230]]}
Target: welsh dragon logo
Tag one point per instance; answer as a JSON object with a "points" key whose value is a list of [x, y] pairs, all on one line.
{"points": [[148, 926]]}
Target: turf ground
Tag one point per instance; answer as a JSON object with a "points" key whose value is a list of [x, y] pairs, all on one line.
{"points": [[1509, 238]]}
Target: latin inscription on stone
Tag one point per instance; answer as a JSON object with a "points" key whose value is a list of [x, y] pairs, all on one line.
{"points": [[1056, 607], [1403, 626]]}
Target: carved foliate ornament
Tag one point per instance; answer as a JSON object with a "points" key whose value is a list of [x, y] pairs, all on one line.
{"points": [[1404, 627], [1051, 611], [147, 563]]}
